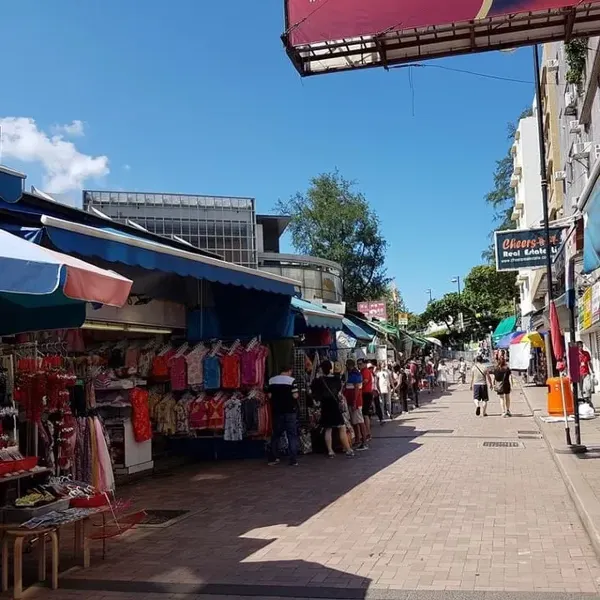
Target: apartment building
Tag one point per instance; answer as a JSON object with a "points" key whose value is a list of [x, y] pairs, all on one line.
{"points": [[527, 210]]}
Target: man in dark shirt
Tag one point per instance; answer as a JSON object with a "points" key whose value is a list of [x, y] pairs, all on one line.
{"points": [[283, 394]]}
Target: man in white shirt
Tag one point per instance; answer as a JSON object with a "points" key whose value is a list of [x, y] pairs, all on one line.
{"points": [[384, 387]]}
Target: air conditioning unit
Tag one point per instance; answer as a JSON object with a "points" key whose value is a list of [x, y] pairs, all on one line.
{"points": [[574, 126], [517, 170], [514, 181], [596, 151], [574, 202], [552, 64], [560, 175], [581, 150], [570, 103]]}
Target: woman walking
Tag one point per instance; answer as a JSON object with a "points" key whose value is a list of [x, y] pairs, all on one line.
{"points": [[479, 385], [503, 384], [326, 390]]}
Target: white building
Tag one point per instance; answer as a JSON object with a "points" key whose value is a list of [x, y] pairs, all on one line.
{"points": [[527, 211]]}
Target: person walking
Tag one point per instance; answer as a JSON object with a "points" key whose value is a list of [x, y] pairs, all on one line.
{"points": [[586, 374], [503, 384], [443, 374], [479, 385], [326, 390], [384, 386], [283, 395], [462, 370]]}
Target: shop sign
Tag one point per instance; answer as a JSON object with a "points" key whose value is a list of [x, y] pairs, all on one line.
{"points": [[373, 309], [585, 309], [595, 303], [525, 248], [402, 319]]}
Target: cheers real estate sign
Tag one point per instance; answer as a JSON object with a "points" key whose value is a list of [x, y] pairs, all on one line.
{"points": [[524, 248]]}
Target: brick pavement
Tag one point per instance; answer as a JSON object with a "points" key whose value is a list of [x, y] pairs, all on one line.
{"points": [[422, 511]]}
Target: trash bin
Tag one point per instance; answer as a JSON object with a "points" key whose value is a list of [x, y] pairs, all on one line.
{"points": [[555, 396]]}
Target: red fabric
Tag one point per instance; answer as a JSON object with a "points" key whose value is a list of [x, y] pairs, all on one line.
{"points": [[367, 377], [178, 366], [311, 22], [140, 415], [199, 415], [558, 348], [230, 372], [216, 413], [584, 363]]}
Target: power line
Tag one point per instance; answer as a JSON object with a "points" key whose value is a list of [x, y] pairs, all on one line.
{"points": [[464, 72]]}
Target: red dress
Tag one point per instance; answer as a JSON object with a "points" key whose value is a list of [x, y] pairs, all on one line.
{"points": [[140, 415], [230, 372]]}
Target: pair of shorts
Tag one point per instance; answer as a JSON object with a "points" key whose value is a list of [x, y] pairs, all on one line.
{"points": [[356, 416], [367, 409], [480, 393]]}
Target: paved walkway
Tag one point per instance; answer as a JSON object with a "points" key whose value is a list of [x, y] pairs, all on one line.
{"points": [[429, 508]]}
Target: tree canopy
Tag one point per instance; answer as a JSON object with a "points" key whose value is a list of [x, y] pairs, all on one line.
{"points": [[330, 220]]}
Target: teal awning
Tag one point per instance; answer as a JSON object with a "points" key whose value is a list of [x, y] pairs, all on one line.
{"points": [[317, 316], [356, 331], [505, 327]]}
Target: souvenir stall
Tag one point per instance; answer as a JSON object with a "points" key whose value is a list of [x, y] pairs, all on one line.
{"points": [[526, 354]]}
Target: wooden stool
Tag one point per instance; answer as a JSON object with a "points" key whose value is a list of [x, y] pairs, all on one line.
{"points": [[20, 536]]}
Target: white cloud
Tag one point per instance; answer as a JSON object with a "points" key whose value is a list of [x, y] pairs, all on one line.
{"points": [[65, 167], [74, 129], [127, 167]]}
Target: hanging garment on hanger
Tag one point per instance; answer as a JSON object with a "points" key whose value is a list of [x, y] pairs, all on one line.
{"points": [[140, 415]]}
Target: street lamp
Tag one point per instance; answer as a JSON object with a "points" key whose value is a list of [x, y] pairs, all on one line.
{"points": [[457, 281], [430, 292]]}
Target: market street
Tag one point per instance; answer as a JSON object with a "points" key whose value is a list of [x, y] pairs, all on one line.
{"points": [[427, 508]]}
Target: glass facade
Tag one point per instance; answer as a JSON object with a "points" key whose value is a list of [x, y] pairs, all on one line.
{"points": [[223, 225]]}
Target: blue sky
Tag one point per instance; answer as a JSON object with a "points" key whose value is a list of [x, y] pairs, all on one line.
{"points": [[199, 97]]}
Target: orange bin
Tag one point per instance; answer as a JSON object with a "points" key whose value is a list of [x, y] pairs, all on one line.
{"points": [[555, 396]]}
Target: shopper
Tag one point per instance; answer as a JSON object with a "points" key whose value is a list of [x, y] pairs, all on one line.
{"points": [[415, 374], [376, 398], [326, 390], [367, 395], [443, 374], [479, 385], [503, 384], [353, 395], [283, 395], [430, 374], [384, 386]]}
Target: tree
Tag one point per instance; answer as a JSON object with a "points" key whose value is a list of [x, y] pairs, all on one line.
{"points": [[490, 292], [332, 221], [501, 197], [444, 310]]}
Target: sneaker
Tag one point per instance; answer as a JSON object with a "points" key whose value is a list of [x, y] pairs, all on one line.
{"points": [[272, 463], [332, 455], [362, 448], [295, 464], [350, 454], [508, 413], [505, 415], [478, 411]]}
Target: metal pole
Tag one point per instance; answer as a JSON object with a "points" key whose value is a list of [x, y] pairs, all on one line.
{"points": [[571, 302], [544, 188]]}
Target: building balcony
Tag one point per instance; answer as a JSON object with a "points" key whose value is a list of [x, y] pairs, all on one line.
{"points": [[320, 279]]}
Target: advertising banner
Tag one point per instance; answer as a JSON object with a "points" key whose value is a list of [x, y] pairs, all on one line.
{"points": [[524, 248], [313, 21], [402, 319], [373, 309]]}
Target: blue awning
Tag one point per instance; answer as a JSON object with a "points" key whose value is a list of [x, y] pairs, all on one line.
{"points": [[317, 316], [114, 246], [356, 331]]}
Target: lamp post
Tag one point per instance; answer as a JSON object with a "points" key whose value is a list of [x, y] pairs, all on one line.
{"points": [[457, 281], [430, 292]]}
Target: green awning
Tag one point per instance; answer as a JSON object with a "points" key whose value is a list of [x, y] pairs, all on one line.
{"points": [[384, 328], [505, 327]]}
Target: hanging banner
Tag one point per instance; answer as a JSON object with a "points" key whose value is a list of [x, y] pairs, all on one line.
{"points": [[335, 35], [585, 309], [524, 248]]}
